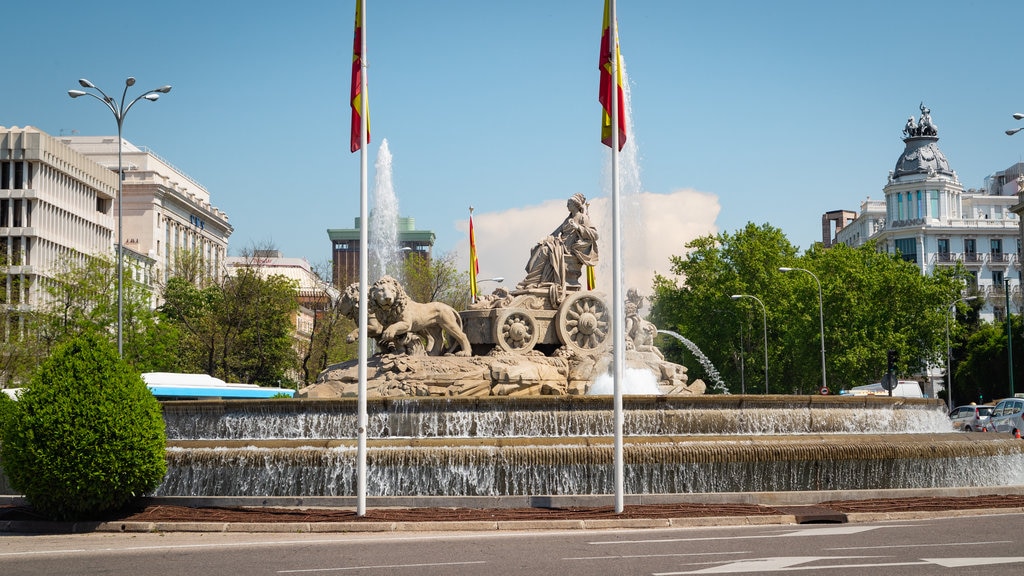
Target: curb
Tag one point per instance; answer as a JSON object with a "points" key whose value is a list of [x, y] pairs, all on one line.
{"points": [[37, 527]]}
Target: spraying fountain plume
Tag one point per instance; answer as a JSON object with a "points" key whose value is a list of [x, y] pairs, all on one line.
{"points": [[384, 246]]}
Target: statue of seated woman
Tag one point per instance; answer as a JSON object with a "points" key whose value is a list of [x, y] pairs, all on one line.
{"points": [[559, 258]]}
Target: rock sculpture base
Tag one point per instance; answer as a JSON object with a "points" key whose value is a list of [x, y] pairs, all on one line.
{"points": [[497, 374]]}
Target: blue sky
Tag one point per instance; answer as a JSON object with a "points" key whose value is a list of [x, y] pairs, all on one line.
{"points": [[762, 111]]}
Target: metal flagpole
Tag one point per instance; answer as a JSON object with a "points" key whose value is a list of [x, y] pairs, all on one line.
{"points": [[364, 260], [618, 308]]}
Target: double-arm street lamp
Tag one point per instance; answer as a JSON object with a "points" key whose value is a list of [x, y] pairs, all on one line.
{"points": [[119, 109], [821, 318], [764, 311], [949, 355]]}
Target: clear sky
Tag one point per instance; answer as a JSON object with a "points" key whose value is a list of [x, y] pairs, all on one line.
{"points": [[764, 111]]}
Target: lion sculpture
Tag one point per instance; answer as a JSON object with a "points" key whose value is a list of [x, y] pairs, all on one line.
{"points": [[400, 315], [348, 306]]}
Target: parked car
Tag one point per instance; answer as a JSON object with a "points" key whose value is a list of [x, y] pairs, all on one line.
{"points": [[1008, 416], [971, 418]]}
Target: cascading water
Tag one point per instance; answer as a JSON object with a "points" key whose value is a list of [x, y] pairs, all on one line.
{"points": [[384, 247], [709, 368], [563, 445]]}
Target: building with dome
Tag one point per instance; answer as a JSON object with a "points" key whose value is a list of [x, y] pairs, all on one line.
{"points": [[928, 218]]}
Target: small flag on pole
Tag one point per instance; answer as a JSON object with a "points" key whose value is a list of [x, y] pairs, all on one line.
{"points": [[605, 90], [357, 83], [474, 264], [591, 281]]}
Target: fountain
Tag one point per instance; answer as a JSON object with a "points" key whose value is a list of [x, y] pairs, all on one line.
{"points": [[539, 446], [383, 231]]}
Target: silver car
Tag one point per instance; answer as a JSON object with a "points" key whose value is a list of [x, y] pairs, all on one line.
{"points": [[972, 418], [1008, 416]]}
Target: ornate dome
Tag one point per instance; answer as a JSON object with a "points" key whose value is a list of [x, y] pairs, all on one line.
{"points": [[922, 154]]}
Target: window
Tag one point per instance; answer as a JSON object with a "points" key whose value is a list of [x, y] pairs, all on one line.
{"points": [[935, 203], [970, 247], [907, 247], [997, 278], [944, 246], [997, 247]]}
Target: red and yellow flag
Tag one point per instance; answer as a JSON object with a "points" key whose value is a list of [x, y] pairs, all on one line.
{"points": [[591, 281], [605, 91], [474, 264], [357, 83]]}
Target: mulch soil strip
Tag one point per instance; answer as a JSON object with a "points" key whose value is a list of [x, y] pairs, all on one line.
{"points": [[161, 513]]}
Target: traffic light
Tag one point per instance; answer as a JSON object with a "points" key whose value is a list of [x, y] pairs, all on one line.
{"points": [[890, 360]]}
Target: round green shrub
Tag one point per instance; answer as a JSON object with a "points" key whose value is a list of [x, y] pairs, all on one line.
{"points": [[87, 435]]}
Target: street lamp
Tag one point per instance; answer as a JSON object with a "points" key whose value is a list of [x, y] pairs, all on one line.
{"points": [[498, 279], [1016, 116], [821, 318], [120, 110], [764, 311], [949, 355]]}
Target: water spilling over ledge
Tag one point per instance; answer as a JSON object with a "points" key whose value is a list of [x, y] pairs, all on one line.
{"points": [[563, 445], [554, 416]]}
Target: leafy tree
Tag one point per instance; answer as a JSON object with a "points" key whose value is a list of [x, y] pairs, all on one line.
{"points": [[438, 279], [238, 329], [86, 435], [872, 302], [983, 374], [327, 343], [700, 309]]}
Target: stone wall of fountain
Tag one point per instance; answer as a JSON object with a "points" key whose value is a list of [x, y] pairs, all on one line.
{"points": [[559, 446]]}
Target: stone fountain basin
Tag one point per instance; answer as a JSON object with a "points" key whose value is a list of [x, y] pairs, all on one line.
{"points": [[584, 465]]}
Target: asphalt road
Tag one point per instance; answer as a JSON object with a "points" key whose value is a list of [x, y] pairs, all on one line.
{"points": [[982, 545]]}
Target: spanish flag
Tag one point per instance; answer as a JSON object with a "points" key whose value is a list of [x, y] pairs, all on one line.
{"points": [[474, 264], [605, 91], [357, 82]]}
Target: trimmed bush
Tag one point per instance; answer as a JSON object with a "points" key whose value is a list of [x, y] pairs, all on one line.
{"points": [[87, 435]]}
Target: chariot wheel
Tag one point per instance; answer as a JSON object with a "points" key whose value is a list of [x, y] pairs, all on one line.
{"points": [[516, 331], [583, 322]]}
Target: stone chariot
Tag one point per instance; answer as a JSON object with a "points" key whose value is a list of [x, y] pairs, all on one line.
{"points": [[538, 320]]}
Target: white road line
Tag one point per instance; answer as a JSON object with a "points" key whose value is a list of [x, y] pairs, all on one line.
{"points": [[843, 531], [379, 566], [940, 545], [625, 556], [794, 563]]}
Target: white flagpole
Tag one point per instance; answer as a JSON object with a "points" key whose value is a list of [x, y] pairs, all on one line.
{"points": [[618, 308], [364, 261]]}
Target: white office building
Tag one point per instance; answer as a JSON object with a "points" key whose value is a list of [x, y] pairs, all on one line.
{"points": [[165, 211], [55, 204]]}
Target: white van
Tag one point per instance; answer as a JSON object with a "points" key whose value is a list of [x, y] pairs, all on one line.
{"points": [[904, 389]]}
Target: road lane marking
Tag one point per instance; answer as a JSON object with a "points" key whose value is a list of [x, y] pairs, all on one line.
{"points": [[794, 563], [630, 556], [379, 566], [839, 531]]}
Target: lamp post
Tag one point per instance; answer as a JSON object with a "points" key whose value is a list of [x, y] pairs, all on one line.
{"points": [[1016, 116], [120, 110], [821, 318], [764, 311], [498, 279], [949, 354], [1009, 332]]}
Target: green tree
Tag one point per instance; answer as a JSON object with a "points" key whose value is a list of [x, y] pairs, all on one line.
{"points": [[86, 435], [81, 296], [238, 329], [700, 308], [872, 302], [326, 344], [983, 374], [438, 279]]}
